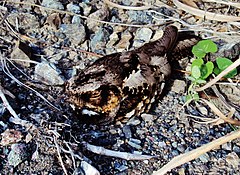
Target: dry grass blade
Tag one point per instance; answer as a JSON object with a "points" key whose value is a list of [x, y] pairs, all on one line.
{"points": [[59, 155], [123, 155], [223, 73], [204, 120], [204, 14], [221, 115], [184, 158], [15, 119], [5, 69], [6, 104]]}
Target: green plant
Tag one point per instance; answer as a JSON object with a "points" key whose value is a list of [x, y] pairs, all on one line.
{"points": [[222, 64], [200, 70]]}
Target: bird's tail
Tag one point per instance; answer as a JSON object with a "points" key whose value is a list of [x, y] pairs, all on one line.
{"points": [[162, 46]]}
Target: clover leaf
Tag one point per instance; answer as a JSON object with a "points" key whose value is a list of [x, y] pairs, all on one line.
{"points": [[197, 62], [203, 47], [207, 70], [222, 64], [196, 72]]}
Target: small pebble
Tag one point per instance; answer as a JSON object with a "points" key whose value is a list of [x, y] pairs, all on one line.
{"points": [[134, 121], [55, 4], [48, 73], [233, 159], [204, 158], [18, 154], [134, 145], [127, 131]]}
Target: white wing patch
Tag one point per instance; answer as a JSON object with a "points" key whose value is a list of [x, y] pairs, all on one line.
{"points": [[134, 80]]}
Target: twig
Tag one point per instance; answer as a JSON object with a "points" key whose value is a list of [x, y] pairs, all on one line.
{"points": [[217, 78], [123, 155], [72, 154], [8, 73], [15, 119], [6, 104], [221, 115], [186, 157], [204, 120], [59, 155]]}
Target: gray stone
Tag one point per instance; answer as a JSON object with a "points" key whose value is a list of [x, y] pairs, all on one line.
{"points": [[137, 141], [148, 117], [26, 21], [181, 148], [174, 144], [204, 158], [233, 159], [162, 144], [134, 121], [48, 73], [134, 145], [76, 20], [127, 131], [55, 4], [20, 57], [140, 16], [178, 86], [100, 14], [227, 146], [236, 149], [99, 40], [124, 42], [143, 34], [74, 8], [75, 32], [18, 154], [86, 8]]}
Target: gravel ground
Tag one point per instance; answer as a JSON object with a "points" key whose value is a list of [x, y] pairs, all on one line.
{"points": [[55, 46]]}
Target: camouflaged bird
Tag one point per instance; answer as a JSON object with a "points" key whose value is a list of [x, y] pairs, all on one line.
{"points": [[121, 85]]}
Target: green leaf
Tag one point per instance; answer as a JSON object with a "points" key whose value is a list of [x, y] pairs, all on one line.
{"points": [[203, 47], [191, 78], [197, 62], [216, 70], [195, 72], [207, 69], [222, 64], [188, 98], [200, 81], [196, 96]]}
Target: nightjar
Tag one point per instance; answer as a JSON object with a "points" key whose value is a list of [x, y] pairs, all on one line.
{"points": [[121, 85]]}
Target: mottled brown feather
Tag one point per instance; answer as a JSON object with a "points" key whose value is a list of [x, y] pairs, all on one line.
{"points": [[123, 84]]}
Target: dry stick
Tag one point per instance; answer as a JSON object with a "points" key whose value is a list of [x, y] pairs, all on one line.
{"points": [[123, 155], [186, 157], [225, 72], [15, 119], [6, 104], [204, 14], [221, 115], [59, 155]]}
